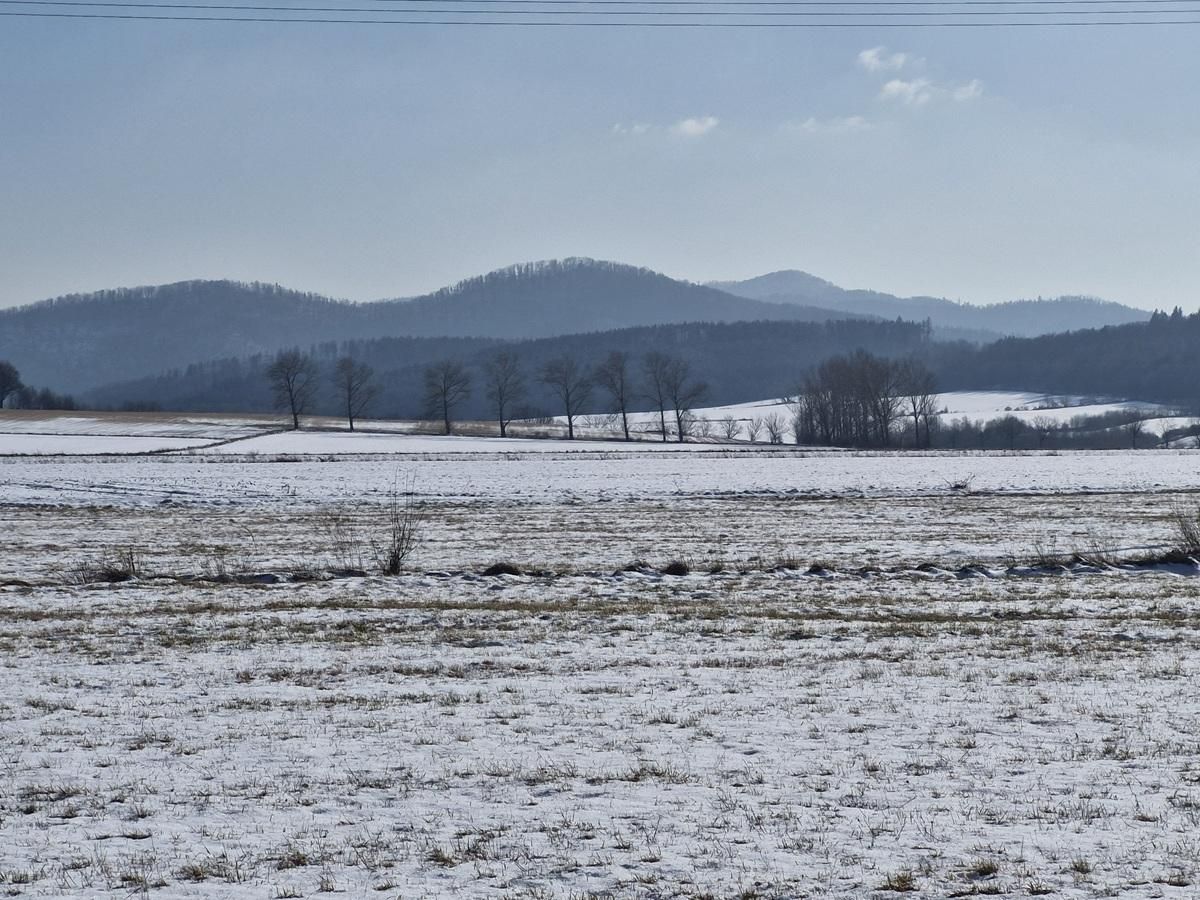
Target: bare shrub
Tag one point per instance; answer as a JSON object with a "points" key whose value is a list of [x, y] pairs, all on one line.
{"points": [[344, 539], [501, 568], [754, 427], [730, 428], [903, 881], [961, 484], [1186, 520], [113, 565], [393, 546]]}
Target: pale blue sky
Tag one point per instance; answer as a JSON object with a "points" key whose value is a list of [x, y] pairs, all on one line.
{"points": [[375, 162]]}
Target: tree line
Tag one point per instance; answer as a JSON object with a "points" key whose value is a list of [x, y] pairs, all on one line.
{"points": [[15, 394], [663, 380], [739, 361], [857, 400]]}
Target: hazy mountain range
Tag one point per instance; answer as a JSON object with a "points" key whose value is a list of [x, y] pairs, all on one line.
{"points": [[1016, 318], [82, 342]]}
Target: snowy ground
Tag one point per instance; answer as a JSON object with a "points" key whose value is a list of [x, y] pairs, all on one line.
{"points": [[87, 434], [747, 730], [978, 406]]}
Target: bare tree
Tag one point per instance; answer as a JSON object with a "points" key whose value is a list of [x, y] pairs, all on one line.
{"points": [[612, 376], [919, 388], [657, 367], [10, 381], [854, 400], [1044, 427], [356, 388], [798, 424], [730, 428], [293, 378], [774, 423], [447, 383], [505, 386], [684, 394], [1135, 429], [754, 428], [572, 386]]}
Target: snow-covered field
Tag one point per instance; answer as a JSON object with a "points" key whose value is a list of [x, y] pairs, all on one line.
{"points": [[977, 406], [860, 688], [89, 434]]}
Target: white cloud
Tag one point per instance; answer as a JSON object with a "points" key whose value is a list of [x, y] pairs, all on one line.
{"points": [[635, 128], [877, 59], [920, 91], [697, 127], [969, 91], [917, 92], [837, 125]]}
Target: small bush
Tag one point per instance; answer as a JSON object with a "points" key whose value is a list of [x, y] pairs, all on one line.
{"points": [[114, 565], [901, 882], [1187, 528], [500, 568], [677, 567], [983, 868], [392, 548]]}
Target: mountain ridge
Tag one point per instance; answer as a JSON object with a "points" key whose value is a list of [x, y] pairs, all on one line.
{"points": [[80, 342], [991, 321]]}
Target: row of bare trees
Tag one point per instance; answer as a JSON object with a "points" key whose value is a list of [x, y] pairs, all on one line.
{"points": [[295, 381], [857, 401], [665, 382]]}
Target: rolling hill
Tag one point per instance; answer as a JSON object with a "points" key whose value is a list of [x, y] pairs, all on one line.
{"points": [[80, 342], [951, 320]]}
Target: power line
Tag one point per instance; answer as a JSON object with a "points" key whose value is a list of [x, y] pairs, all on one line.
{"points": [[750, 3], [107, 4], [511, 23]]}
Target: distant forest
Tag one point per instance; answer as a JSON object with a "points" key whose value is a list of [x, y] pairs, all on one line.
{"points": [[1156, 360], [206, 345], [738, 361], [79, 343]]}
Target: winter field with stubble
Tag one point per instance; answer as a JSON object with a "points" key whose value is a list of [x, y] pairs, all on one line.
{"points": [[875, 675]]}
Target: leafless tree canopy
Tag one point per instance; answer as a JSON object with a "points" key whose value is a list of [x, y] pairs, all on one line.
{"points": [[505, 386], [656, 367], [293, 378], [10, 381], [447, 383], [683, 393], [612, 375], [775, 425], [1135, 429], [571, 385], [919, 389], [855, 401], [356, 387]]}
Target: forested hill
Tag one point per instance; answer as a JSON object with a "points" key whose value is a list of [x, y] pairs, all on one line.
{"points": [[1018, 318], [1155, 360], [77, 343], [740, 361]]}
